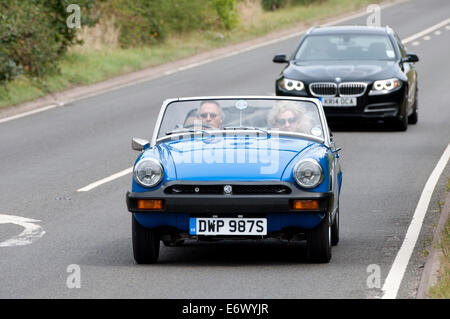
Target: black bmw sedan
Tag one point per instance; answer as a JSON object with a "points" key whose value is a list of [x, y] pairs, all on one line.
{"points": [[356, 71]]}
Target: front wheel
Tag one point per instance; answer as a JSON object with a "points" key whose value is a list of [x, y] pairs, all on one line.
{"points": [[335, 230], [319, 243], [414, 117], [145, 243], [401, 123]]}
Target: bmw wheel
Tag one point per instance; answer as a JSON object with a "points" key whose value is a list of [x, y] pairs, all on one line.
{"points": [[145, 244], [414, 117], [319, 243], [401, 123]]}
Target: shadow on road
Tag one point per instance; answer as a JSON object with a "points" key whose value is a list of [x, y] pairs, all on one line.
{"points": [[230, 253]]}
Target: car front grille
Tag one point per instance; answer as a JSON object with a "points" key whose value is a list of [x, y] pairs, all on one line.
{"points": [[323, 89], [352, 88], [241, 189]]}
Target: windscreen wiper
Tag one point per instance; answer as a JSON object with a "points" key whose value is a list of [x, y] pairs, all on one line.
{"points": [[187, 130]]}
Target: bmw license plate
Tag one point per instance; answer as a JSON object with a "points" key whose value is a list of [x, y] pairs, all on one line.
{"points": [[228, 226], [339, 101]]}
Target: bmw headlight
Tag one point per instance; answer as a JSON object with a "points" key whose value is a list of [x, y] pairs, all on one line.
{"points": [[292, 85], [385, 86], [148, 172], [308, 173]]}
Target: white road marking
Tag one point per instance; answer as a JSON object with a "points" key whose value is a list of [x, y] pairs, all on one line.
{"points": [[31, 233], [398, 268], [18, 116], [106, 180], [415, 43], [193, 65], [427, 37], [426, 31], [438, 32]]}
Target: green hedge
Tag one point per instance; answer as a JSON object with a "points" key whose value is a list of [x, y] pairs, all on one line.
{"points": [[273, 4], [144, 22], [33, 35]]}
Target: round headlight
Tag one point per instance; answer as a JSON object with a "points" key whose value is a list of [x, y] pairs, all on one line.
{"points": [[308, 173], [148, 172]]}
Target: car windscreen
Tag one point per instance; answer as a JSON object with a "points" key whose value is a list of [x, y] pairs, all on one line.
{"points": [[346, 47], [234, 114]]}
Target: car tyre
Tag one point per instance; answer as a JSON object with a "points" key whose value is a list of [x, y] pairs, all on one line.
{"points": [[335, 230], [145, 244], [401, 124], [319, 243], [414, 117]]}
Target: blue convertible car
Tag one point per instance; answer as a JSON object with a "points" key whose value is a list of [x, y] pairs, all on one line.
{"points": [[236, 168]]}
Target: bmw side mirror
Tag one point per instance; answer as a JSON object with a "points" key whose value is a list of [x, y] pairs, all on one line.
{"points": [[280, 58], [411, 58], [139, 144]]}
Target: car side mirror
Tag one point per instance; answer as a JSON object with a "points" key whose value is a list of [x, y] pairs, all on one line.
{"points": [[280, 58], [411, 58], [139, 144]]}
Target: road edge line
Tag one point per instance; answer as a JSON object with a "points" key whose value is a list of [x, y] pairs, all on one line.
{"points": [[432, 265], [395, 276]]}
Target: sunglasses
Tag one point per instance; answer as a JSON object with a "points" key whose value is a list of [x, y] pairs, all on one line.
{"points": [[290, 120], [205, 115]]}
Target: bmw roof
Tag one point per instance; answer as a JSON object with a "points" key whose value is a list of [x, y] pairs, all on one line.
{"points": [[349, 29]]}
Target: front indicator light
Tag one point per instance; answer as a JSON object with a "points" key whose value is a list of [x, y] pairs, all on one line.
{"points": [[305, 204], [150, 204]]}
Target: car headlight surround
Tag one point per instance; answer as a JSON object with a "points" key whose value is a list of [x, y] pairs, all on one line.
{"points": [[308, 173], [385, 86], [292, 85], [148, 172]]}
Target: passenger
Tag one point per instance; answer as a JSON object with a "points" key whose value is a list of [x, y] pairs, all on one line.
{"points": [[286, 116]]}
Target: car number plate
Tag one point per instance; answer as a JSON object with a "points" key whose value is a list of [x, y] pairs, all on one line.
{"points": [[228, 226], [339, 101]]}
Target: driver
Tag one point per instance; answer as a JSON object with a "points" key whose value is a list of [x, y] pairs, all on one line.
{"points": [[211, 114]]}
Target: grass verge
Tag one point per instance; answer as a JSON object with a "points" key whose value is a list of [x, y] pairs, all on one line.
{"points": [[87, 66], [442, 288]]}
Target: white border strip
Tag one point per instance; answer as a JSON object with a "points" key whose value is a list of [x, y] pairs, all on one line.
{"points": [[398, 268], [18, 116], [106, 180]]}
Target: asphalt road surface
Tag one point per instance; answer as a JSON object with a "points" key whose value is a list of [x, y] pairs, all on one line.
{"points": [[46, 157]]}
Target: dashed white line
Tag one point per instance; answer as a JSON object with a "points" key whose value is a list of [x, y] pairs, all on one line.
{"points": [[398, 268], [106, 180], [426, 31]]}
